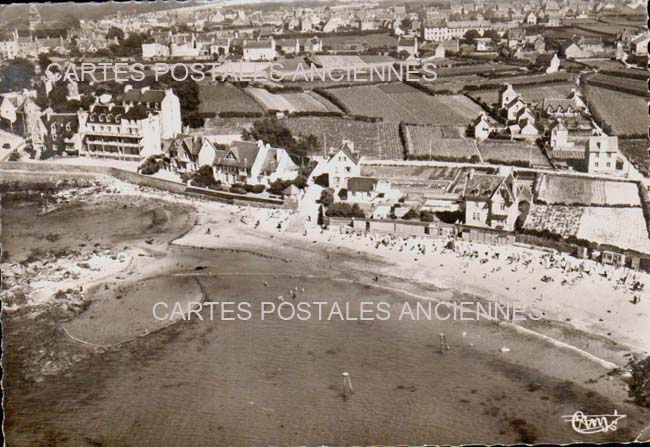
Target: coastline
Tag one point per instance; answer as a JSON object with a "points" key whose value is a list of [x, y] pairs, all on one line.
{"points": [[232, 239]]}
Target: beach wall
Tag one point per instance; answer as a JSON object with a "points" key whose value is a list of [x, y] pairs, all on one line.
{"points": [[17, 174]]}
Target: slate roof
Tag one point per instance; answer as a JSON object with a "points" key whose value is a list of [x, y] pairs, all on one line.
{"points": [[361, 184]]}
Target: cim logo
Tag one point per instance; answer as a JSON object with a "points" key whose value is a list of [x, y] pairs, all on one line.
{"points": [[588, 424]]}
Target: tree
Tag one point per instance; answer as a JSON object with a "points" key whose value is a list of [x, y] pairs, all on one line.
{"points": [[493, 34], [43, 62], [327, 197], [16, 75], [115, 32], [411, 214], [406, 23], [470, 35], [204, 177], [271, 131], [194, 120], [342, 209]]}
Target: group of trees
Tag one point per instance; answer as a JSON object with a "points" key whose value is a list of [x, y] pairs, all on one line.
{"points": [[126, 46], [271, 131], [16, 75]]}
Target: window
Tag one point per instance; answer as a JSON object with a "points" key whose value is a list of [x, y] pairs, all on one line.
{"points": [[609, 164], [596, 164], [348, 169]]}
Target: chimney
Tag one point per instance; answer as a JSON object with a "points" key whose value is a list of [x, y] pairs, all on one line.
{"points": [[127, 87], [144, 89]]}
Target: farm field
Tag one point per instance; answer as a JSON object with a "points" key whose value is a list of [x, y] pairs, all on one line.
{"points": [[627, 85], [580, 191], [530, 93], [636, 151], [626, 114], [558, 219], [514, 152], [377, 40], [477, 69], [621, 227], [291, 102], [373, 140], [437, 142], [223, 97], [400, 102]]}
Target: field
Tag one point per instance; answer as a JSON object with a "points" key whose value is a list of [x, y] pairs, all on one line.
{"points": [[291, 102], [558, 219], [478, 69], [505, 151], [621, 83], [565, 190], [636, 151], [621, 227], [216, 98], [439, 143], [375, 40], [626, 114], [400, 102], [373, 140], [530, 93]]}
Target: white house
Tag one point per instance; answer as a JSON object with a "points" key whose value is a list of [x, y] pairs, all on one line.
{"points": [[491, 200], [507, 94], [640, 44], [260, 50], [370, 190], [408, 44], [253, 163], [514, 108], [481, 127], [602, 155], [554, 66], [531, 18], [340, 166]]}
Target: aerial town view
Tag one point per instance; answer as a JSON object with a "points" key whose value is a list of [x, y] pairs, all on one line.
{"points": [[325, 222]]}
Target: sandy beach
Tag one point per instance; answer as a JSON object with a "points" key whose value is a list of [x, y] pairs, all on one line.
{"points": [[203, 380]]}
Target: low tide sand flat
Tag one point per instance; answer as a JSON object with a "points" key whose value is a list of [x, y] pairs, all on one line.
{"points": [[340, 223]]}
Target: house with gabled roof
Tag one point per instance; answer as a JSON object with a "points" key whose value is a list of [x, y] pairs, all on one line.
{"points": [[481, 127], [491, 200], [260, 50], [514, 107], [507, 94], [184, 152], [339, 166], [253, 163]]}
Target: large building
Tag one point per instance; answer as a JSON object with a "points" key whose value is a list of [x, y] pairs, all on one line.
{"points": [[438, 31], [119, 132], [163, 102]]}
